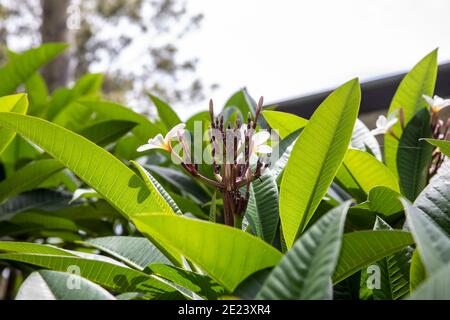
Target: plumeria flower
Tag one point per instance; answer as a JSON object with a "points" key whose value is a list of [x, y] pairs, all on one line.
{"points": [[436, 103], [384, 124], [160, 142], [258, 145]]}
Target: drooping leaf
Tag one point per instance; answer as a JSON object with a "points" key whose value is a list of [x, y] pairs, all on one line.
{"points": [[284, 123], [54, 285], [262, 208], [305, 271], [316, 157], [227, 254], [362, 248], [106, 132], [444, 146]]}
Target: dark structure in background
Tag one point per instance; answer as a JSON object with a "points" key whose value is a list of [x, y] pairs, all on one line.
{"points": [[376, 96]]}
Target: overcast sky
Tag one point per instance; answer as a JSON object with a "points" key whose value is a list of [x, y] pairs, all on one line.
{"points": [[284, 49]]}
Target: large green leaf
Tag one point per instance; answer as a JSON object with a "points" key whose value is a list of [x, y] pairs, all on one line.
{"points": [[366, 172], [316, 157], [362, 248], [106, 132], [437, 287], [432, 242], [262, 209], [17, 103], [54, 285], [134, 251], [417, 272], [32, 248], [305, 271], [394, 282], [284, 123], [28, 177], [434, 200], [227, 254], [165, 112], [408, 157], [22, 66], [118, 184]]}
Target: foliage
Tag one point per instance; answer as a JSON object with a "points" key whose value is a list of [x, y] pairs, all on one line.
{"points": [[328, 218]]}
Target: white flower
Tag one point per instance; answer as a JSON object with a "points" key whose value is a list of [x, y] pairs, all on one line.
{"points": [[384, 124], [436, 103], [257, 145], [85, 193], [159, 142]]}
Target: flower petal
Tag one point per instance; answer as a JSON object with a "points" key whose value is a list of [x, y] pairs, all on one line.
{"points": [[149, 146], [381, 121]]}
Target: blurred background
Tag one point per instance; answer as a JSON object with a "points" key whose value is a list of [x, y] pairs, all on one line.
{"points": [[185, 52]]}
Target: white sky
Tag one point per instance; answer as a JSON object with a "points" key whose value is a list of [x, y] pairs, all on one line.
{"points": [[284, 49]]}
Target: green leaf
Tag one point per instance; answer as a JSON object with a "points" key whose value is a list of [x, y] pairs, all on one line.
{"points": [[53, 285], [165, 201], [433, 244], [394, 271], [364, 140], [17, 103], [437, 287], [284, 123], [118, 184], [32, 248], [232, 254], [165, 113], [406, 158], [28, 177], [434, 200], [444, 146], [366, 172], [362, 248], [305, 271], [262, 209], [316, 157], [199, 284], [134, 251], [22, 66]]}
